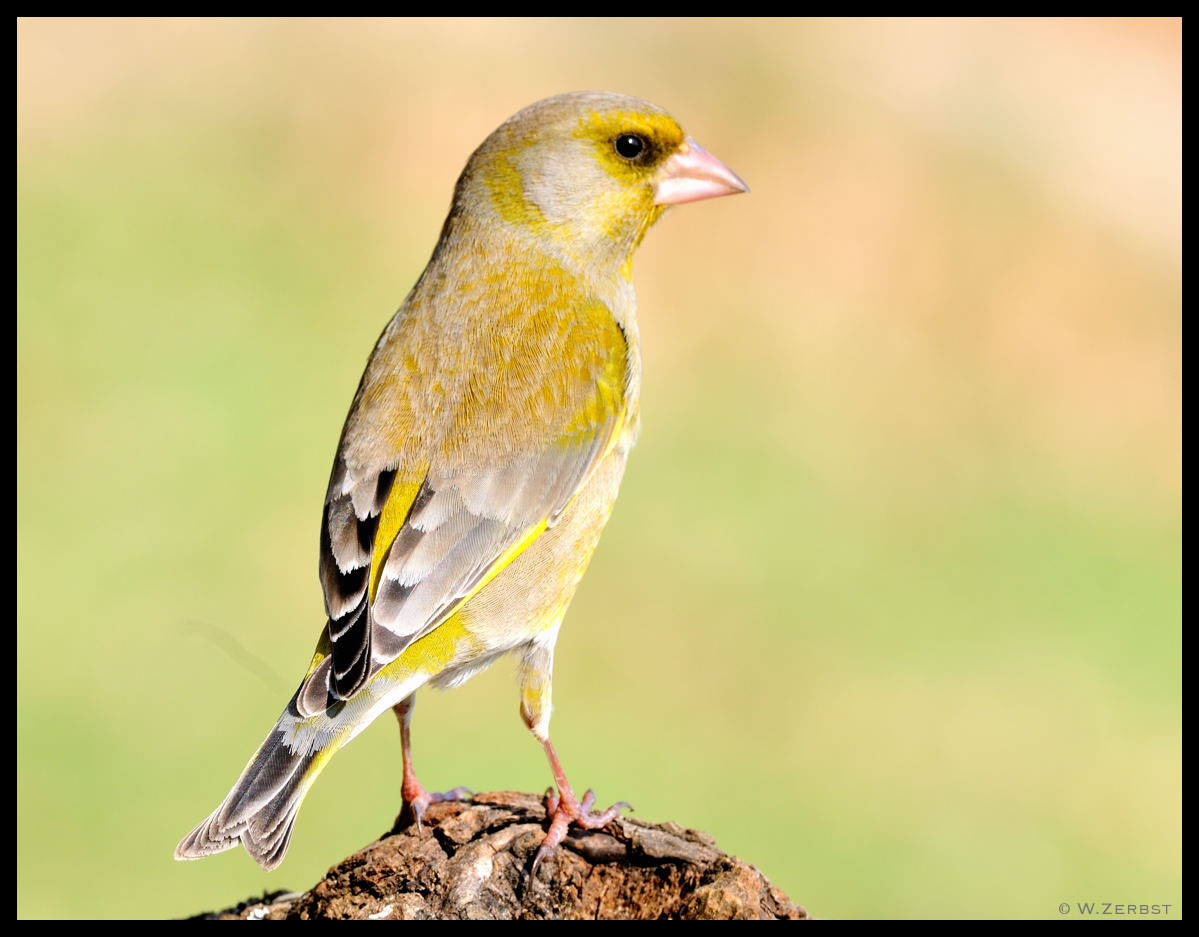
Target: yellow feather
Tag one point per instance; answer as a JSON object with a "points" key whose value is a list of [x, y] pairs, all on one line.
{"points": [[391, 520]]}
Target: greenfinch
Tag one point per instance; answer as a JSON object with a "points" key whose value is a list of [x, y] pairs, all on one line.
{"points": [[483, 450]]}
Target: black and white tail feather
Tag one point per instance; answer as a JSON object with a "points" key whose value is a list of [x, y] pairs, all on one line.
{"points": [[260, 811]]}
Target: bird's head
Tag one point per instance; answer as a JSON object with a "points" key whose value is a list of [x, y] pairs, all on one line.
{"points": [[586, 174]]}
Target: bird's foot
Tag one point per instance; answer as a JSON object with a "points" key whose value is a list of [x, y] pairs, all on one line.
{"points": [[417, 799], [563, 810]]}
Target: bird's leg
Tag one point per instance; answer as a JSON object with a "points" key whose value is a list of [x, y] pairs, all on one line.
{"points": [[562, 807], [414, 793]]}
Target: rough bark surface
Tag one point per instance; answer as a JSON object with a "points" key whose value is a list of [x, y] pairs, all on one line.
{"points": [[472, 861]]}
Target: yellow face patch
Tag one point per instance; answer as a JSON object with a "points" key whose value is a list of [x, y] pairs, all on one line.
{"points": [[507, 193], [660, 132]]}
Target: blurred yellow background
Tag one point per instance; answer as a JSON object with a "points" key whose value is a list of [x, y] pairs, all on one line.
{"points": [[890, 601]]}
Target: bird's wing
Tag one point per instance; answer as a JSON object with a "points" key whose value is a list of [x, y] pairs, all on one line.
{"points": [[414, 528]]}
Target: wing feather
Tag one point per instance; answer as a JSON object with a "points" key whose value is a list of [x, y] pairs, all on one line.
{"points": [[409, 535]]}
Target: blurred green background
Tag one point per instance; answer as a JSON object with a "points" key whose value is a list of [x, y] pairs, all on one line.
{"points": [[890, 602]]}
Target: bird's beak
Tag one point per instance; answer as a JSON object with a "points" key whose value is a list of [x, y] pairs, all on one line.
{"points": [[692, 174]]}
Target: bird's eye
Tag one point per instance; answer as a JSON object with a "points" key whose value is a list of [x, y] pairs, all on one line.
{"points": [[629, 145]]}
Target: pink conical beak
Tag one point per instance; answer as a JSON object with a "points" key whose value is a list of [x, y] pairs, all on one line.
{"points": [[692, 174]]}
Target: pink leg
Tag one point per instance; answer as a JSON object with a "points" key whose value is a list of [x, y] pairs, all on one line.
{"points": [[414, 793], [563, 809]]}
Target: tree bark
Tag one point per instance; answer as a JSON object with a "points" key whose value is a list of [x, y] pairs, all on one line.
{"points": [[472, 861]]}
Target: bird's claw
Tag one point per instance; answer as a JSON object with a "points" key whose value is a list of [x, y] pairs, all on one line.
{"points": [[418, 800], [563, 810]]}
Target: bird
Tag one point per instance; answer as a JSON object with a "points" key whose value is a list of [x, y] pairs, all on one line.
{"points": [[482, 452]]}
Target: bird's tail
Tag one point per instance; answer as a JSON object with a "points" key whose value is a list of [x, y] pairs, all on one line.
{"points": [[261, 809]]}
